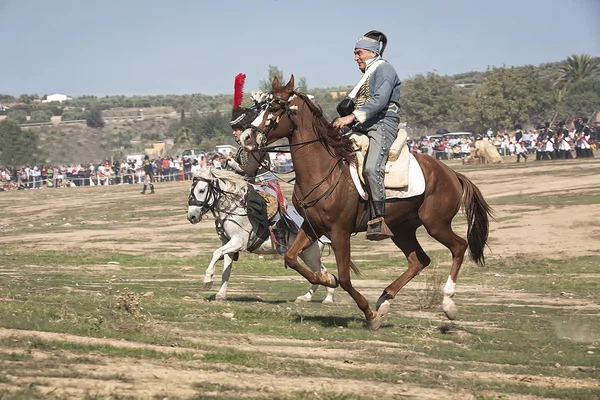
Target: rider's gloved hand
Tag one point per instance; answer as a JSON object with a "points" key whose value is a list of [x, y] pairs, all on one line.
{"points": [[232, 165]]}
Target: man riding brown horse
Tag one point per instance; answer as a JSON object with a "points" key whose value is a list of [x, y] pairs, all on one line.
{"points": [[329, 201], [375, 108]]}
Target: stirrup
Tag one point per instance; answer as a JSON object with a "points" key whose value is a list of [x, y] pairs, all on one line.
{"points": [[377, 229]]}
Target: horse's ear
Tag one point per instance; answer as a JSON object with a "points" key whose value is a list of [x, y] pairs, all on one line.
{"points": [[290, 85], [276, 84]]}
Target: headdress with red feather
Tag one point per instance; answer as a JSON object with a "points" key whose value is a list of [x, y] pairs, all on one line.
{"points": [[238, 90], [241, 117]]}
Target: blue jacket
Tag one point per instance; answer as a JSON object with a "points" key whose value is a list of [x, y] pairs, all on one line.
{"points": [[384, 97]]}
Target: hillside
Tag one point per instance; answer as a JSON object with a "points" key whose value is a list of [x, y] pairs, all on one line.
{"points": [[135, 122], [77, 143]]}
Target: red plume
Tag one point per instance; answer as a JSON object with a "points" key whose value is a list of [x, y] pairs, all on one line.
{"points": [[238, 90]]}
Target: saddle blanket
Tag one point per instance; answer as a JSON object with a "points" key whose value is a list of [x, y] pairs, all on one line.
{"points": [[416, 182], [291, 210]]}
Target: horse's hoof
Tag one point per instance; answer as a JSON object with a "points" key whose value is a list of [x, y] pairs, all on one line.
{"points": [[450, 308], [333, 281], [208, 285], [327, 301], [375, 323], [383, 308], [301, 299]]}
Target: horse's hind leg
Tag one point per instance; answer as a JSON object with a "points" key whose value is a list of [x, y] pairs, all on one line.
{"points": [[312, 257], [228, 263], [406, 239], [443, 233]]}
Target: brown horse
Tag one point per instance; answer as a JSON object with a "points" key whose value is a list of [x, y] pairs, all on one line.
{"points": [[327, 198]]}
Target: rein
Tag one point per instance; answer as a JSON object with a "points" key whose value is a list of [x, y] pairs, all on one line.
{"points": [[306, 204], [272, 123], [213, 198]]}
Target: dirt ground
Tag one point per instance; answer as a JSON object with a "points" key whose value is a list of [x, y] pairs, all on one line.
{"points": [[541, 231]]}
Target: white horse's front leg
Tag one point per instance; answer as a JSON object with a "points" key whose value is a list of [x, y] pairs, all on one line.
{"points": [[210, 270], [228, 263], [228, 247]]}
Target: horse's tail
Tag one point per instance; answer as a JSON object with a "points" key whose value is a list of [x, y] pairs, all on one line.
{"points": [[478, 212], [355, 269]]}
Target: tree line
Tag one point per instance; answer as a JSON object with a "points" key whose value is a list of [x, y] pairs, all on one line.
{"points": [[502, 97], [497, 98]]}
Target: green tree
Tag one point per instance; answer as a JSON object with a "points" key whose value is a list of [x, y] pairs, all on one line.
{"points": [[18, 116], [122, 140], [582, 98], [27, 98], [73, 115], [428, 101], [213, 125], [17, 147], [302, 86], [577, 69], [40, 116], [93, 118], [7, 98], [509, 96], [266, 84]]}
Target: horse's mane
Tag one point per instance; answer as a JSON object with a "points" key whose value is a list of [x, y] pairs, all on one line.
{"points": [[234, 183], [332, 137]]}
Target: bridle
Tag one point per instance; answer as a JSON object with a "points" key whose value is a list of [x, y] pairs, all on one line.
{"points": [[272, 123], [273, 120], [210, 201], [213, 197]]}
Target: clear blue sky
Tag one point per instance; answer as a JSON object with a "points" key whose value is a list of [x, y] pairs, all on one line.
{"points": [[198, 46]]}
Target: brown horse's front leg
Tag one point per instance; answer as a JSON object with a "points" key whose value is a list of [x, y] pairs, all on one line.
{"points": [[302, 242], [341, 247]]}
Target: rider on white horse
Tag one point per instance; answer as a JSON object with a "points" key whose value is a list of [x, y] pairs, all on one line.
{"points": [[256, 166]]}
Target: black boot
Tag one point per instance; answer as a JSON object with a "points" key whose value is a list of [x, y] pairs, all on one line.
{"points": [[280, 239], [151, 188], [377, 229], [143, 190]]}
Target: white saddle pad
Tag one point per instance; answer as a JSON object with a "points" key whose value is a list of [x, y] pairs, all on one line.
{"points": [[416, 182]]}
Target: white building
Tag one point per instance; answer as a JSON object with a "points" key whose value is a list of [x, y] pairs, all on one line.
{"points": [[56, 97]]}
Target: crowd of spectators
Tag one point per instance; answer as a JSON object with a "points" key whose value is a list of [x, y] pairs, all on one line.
{"points": [[125, 171], [544, 141]]}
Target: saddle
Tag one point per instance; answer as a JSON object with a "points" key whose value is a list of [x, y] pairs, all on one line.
{"points": [[396, 168], [276, 205], [262, 208]]}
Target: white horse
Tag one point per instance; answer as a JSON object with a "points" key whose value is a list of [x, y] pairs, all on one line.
{"points": [[222, 192]]}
